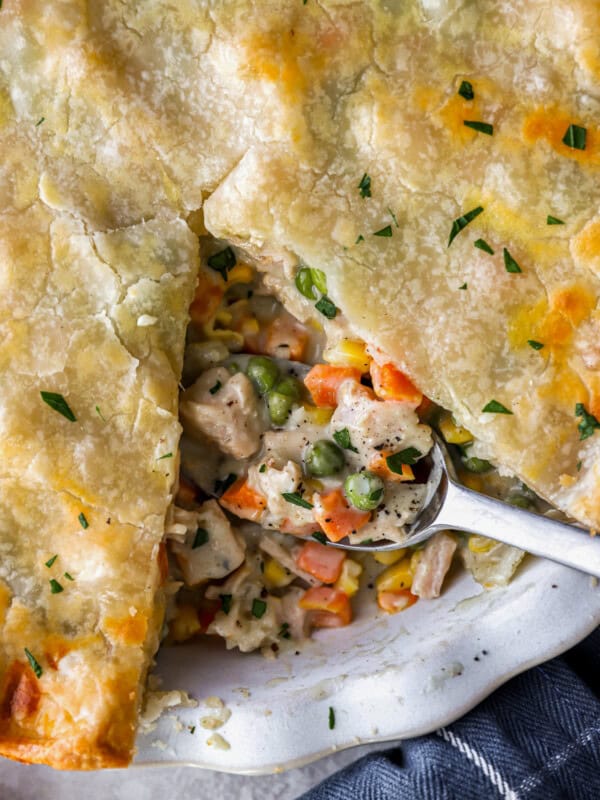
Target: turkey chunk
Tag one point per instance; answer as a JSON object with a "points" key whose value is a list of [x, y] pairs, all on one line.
{"points": [[433, 565], [376, 426], [224, 409], [272, 484], [219, 549]]}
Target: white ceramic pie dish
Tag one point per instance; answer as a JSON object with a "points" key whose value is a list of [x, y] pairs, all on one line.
{"points": [[386, 677]]}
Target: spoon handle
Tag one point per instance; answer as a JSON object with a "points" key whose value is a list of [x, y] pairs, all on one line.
{"points": [[469, 511]]}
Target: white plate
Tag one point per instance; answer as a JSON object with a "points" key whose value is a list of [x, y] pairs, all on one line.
{"points": [[386, 676]]}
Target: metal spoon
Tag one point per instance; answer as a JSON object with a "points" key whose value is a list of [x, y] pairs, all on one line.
{"points": [[449, 505]]}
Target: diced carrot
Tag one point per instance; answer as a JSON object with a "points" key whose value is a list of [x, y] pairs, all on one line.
{"points": [[326, 619], [286, 338], [325, 563], [336, 517], [323, 382], [207, 300], [392, 602], [330, 601], [186, 493], [243, 501], [379, 466], [391, 384]]}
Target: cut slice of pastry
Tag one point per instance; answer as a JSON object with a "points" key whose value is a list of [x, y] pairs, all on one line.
{"points": [[92, 326], [449, 189]]}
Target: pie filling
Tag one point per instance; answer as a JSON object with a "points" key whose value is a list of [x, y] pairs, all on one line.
{"points": [[295, 433]]}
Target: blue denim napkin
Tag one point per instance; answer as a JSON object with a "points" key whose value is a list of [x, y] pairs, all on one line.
{"points": [[535, 738]]}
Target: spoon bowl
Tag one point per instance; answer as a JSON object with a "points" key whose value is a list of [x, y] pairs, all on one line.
{"points": [[450, 505]]}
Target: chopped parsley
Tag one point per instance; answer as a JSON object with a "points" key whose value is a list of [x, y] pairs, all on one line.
{"points": [[494, 407], [462, 222], [331, 718], [534, 344], [192, 728], [296, 499], [481, 244], [284, 631], [319, 536], [308, 279], [579, 465], [166, 455], [364, 186], [408, 456], [588, 423], [214, 389], [385, 232], [68, 576], [262, 468], [359, 238], [393, 216], [225, 603], [509, 262], [376, 496], [58, 403], [464, 286], [222, 484], [553, 220], [41, 119], [83, 521], [200, 538], [258, 608], [343, 439], [51, 561], [223, 262], [55, 586], [575, 137], [326, 307], [34, 663], [466, 90], [480, 127]]}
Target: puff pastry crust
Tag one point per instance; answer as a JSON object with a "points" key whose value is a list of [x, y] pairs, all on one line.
{"points": [[117, 120]]}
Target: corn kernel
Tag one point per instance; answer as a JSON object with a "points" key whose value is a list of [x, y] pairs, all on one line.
{"points": [[398, 576], [471, 480], [348, 353], [480, 544], [313, 485], [241, 273], [316, 415], [249, 326], [349, 580], [453, 433], [275, 575], [388, 557], [185, 625]]}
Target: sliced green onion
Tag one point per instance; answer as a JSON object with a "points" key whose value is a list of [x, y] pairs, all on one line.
{"points": [[575, 137], [200, 538], [364, 186], [384, 232], [466, 90], [481, 244], [480, 127], [494, 407], [553, 220], [326, 307], [535, 345], [588, 423], [509, 262], [223, 262], [35, 666], [258, 608], [58, 403], [459, 224], [51, 561], [296, 499], [83, 521], [55, 586]]}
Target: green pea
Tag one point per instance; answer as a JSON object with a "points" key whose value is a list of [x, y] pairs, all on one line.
{"points": [[479, 465], [324, 458], [519, 500], [319, 279], [263, 372], [280, 406], [290, 387], [305, 283], [364, 490]]}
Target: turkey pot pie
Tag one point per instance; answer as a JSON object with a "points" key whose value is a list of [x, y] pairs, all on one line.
{"points": [[436, 162]]}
